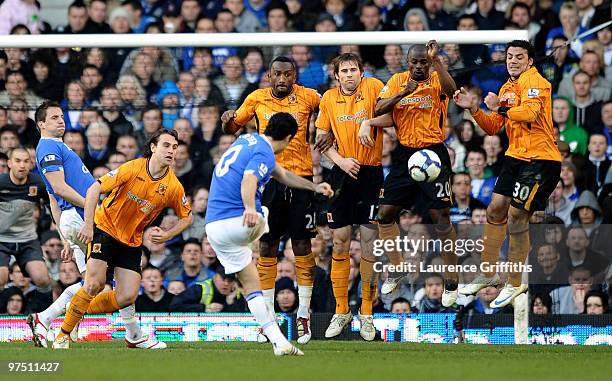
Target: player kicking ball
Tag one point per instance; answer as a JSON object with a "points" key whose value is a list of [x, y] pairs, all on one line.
{"points": [[235, 217], [531, 169]]}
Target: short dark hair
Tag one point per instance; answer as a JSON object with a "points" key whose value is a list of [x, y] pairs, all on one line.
{"points": [[477, 150], [9, 129], [224, 10], [277, 5], [155, 139], [41, 111], [282, 59], [520, 5], [151, 106], [191, 241], [603, 297], [467, 16], [544, 298], [522, 44], [347, 57], [400, 300], [151, 268], [281, 125], [77, 4]]}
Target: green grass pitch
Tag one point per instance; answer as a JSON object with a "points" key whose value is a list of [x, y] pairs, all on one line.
{"points": [[324, 360]]}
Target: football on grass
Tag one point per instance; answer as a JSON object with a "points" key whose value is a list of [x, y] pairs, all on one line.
{"points": [[424, 165]]}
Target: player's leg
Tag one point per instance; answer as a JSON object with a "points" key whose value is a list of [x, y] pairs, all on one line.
{"points": [[5, 257], [273, 199], [95, 279], [31, 259], [230, 240], [388, 229], [369, 282], [340, 269], [534, 185]]}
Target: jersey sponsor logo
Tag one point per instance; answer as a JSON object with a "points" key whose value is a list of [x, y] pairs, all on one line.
{"points": [[33, 191], [162, 189], [359, 116], [384, 89], [412, 100], [50, 157], [533, 93], [146, 206], [184, 200], [96, 248]]}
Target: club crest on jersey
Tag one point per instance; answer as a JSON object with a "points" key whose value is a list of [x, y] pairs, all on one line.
{"points": [[359, 97], [33, 191], [96, 248], [162, 189], [508, 100], [184, 201], [292, 98]]}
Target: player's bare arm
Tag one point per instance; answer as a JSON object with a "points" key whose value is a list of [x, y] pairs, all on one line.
{"points": [[91, 201], [448, 83], [292, 180], [349, 165], [491, 124], [158, 235], [58, 183], [365, 129], [227, 122], [324, 140], [248, 189], [386, 105]]}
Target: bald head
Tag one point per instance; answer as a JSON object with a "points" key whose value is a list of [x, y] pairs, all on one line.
{"points": [[418, 50], [18, 150]]}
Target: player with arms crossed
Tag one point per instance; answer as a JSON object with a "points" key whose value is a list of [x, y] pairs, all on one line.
{"points": [[139, 191], [67, 180], [357, 178], [531, 170], [291, 210], [235, 216], [415, 102]]}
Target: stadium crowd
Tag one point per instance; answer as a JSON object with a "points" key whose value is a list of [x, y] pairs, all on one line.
{"points": [[115, 99]]}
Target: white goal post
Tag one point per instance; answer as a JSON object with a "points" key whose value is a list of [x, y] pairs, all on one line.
{"points": [[258, 39]]}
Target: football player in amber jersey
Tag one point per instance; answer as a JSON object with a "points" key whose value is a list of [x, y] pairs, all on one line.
{"points": [[531, 169], [414, 102], [356, 177], [291, 210], [139, 191]]}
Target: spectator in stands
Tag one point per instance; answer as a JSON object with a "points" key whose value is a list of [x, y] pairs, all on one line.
{"points": [[370, 20], [72, 104], [89, 115], [154, 297], [233, 85], [133, 97], [159, 254], [51, 246], [400, 306], [463, 202], [490, 78], [77, 19], [220, 293], [3, 162], [471, 54], [570, 299], [17, 88], [115, 160], [151, 123], [579, 252], [96, 22], [97, 57], [600, 88], [68, 274], [549, 271], [345, 21], [560, 206], [138, 21], [324, 23], [127, 145], [570, 28], [25, 127], [495, 154], [597, 166], [112, 115], [482, 187], [209, 257], [432, 299], [202, 65], [310, 72], [482, 304], [20, 12], [42, 83], [9, 139], [166, 65], [286, 298], [519, 14], [169, 101], [91, 79], [186, 134], [253, 63], [245, 20], [438, 18], [606, 124], [487, 17], [564, 119], [595, 303], [186, 85], [97, 151], [541, 304], [393, 63], [76, 142], [286, 269], [199, 200], [13, 302], [189, 12], [184, 168], [191, 270], [559, 63], [143, 69], [277, 16], [568, 177], [466, 132]]}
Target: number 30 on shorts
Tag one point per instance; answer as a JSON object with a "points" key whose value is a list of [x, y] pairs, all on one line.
{"points": [[521, 191]]}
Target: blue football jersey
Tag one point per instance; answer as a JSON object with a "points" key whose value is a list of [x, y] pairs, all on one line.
{"points": [[250, 153], [53, 155]]}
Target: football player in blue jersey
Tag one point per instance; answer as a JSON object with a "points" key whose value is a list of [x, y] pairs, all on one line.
{"points": [[67, 180], [235, 217]]}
